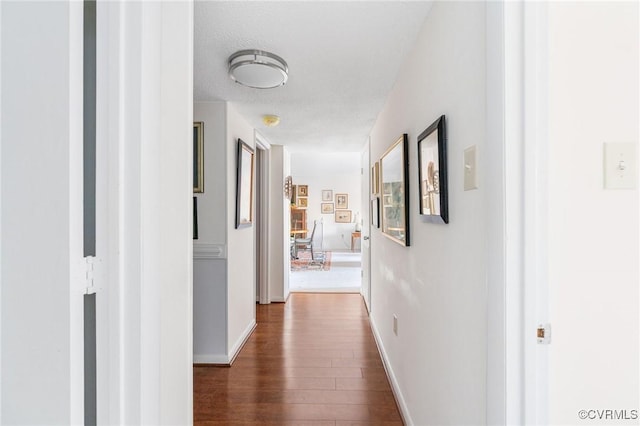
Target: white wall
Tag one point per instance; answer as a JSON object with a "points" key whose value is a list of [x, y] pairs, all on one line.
{"points": [[241, 263], [279, 228], [437, 287], [593, 232], [339, 172], [210, 264]]}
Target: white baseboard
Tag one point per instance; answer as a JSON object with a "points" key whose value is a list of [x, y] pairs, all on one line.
{"points": [[241, 341], [211, 359], [402, 404], [209, 251]]}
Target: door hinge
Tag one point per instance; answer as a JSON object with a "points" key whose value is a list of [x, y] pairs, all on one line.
{"points": [[543, 334], [89, 275]]}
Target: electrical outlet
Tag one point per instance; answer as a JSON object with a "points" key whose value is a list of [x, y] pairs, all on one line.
{"points": [[395, 324]]}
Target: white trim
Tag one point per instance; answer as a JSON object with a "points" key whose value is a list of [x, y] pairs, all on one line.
{"points": [[279, 299], [209, 251], [211, 359], [241, 341], [395, 386], [262, 246], [536, 394]]}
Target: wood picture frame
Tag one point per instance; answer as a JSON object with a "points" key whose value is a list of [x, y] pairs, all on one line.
{"points": [[375, 178], [342, 216], [342, 201], [327, 195], [432, 173], [302, 202], [303, 190], [326, 208], [198, 156], [244, 185], [394, 186]]}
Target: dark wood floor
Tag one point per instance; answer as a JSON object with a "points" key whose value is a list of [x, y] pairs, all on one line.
{"points": [[311, 361]]}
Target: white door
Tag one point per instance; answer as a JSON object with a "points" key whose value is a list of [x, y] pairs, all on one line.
{"points": [[365, 288]]}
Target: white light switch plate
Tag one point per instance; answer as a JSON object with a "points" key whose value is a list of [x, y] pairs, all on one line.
{"points": [[470, 169], [620, 164]]}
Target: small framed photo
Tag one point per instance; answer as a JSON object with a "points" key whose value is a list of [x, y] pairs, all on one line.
{"points": [[198, 157], [375, 179], [342, 201], [343, 216], [326, 208], [375, 212], [327, 195], [303, 190], [302, 202]]}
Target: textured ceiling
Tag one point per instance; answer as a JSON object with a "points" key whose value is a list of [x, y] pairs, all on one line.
{"points": [[343, 60]]}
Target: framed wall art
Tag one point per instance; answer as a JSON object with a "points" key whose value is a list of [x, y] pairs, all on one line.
{"points": [[326, 208], [375, 179], [302, 202], [375, 212], [303, 190], [432, 172], [198, 156], [394, 179], [244, 186], [342, 201], [343, 216], [327, 195]]}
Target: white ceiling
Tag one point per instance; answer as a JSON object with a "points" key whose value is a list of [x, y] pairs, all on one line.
{"points": [[343, 60]]}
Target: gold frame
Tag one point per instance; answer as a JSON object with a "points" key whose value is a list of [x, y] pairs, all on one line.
{"points": [[303, 190], [198, 156], [346, 219], [342, 206], [394, 212]]}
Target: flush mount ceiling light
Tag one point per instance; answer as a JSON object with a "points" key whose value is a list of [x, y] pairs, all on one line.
{"points": [[270, 120], [258, 69]]}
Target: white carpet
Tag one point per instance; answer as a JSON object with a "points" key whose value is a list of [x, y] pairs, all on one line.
{"points": [[343, 276]]}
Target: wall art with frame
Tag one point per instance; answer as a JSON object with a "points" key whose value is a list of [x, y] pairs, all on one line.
{"points": [[327, 195], [244, 186], [198, 156], [394, 179], [343, 216], [326, 208], [432, 172], [342, 201]]}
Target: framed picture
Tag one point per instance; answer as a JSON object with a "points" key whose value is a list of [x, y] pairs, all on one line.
{"points": [[432, 172], [343, 216], [375, 212], [327, 195], [303, 190], [394, 178], [342, 201], [326, 208], [195, 218], [198, 156], [375, 179], [302, 202], [244, 186]]}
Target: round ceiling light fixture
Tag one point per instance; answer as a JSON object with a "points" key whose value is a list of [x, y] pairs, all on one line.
{"points": [[270, 120], [258, 69]]}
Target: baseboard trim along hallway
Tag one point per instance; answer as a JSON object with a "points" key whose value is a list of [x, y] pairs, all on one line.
{"points": [[313, 360]]}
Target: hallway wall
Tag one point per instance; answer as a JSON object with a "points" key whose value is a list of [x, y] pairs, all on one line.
{"points": [[437, 287]]}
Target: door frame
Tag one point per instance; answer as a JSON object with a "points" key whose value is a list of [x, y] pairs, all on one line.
{"points": [[262, 218]]}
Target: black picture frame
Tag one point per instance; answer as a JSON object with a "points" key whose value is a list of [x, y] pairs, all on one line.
{"points": [[394, 190], [195, 218], [244, 185], [375, 212], [432, 173], [198, 156]]}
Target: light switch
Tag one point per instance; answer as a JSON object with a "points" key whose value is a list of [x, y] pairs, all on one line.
{"points": [[470, 169], [620, 165]]}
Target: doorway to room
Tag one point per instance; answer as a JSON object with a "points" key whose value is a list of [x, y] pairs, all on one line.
{"points": [[326, 222]]}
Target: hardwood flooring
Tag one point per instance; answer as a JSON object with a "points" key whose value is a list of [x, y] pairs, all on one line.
{"points": [[311, 361]]}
